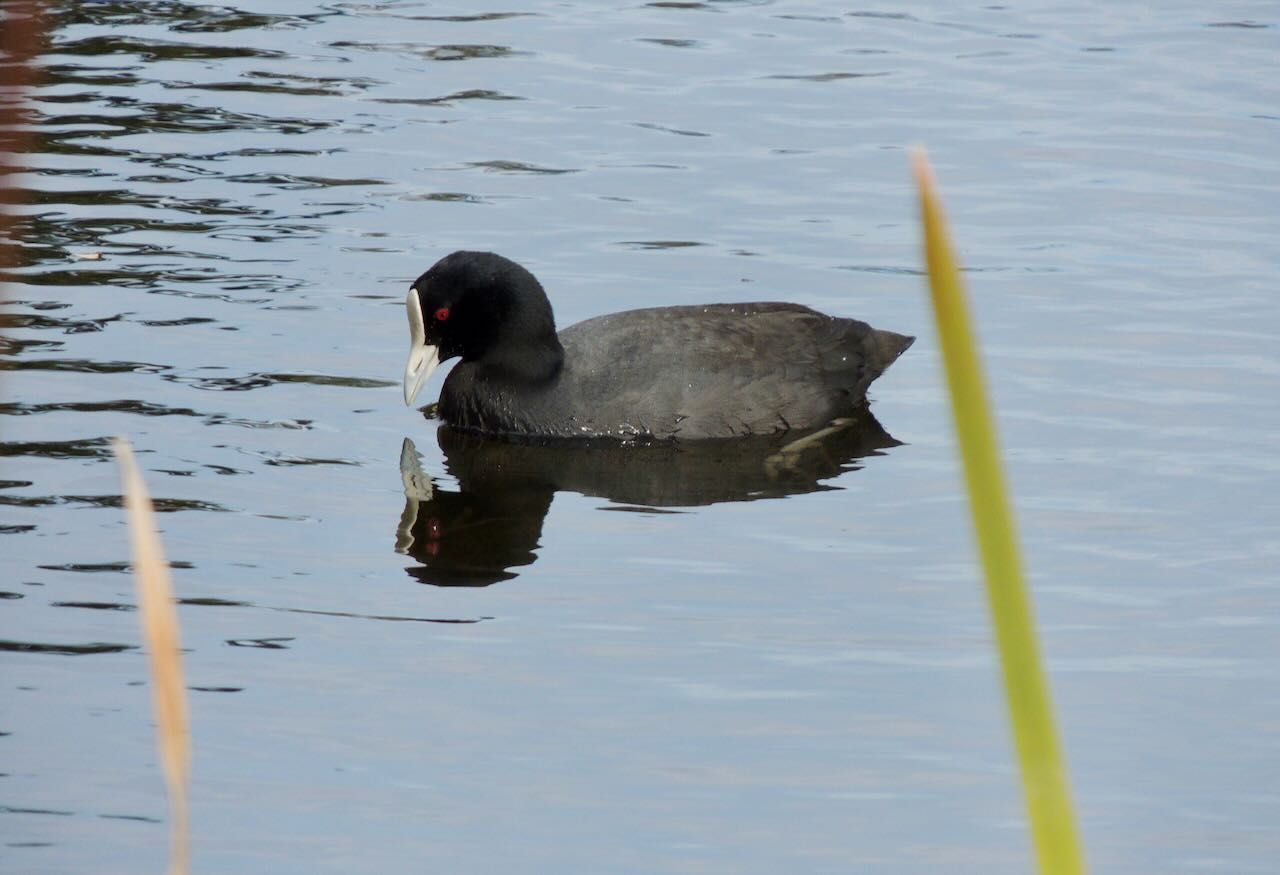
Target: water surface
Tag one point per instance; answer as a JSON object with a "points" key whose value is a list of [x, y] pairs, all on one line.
{"points": [[692, 674]]}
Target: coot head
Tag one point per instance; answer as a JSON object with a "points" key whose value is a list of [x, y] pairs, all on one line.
{"points": [[485, 309]]}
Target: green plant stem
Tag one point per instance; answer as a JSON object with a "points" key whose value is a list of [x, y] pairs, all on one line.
{"points": [[1044, 777]]}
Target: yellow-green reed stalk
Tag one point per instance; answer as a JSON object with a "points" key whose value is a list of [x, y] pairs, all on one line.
{"points": [[160, 632], [1044, 777]]}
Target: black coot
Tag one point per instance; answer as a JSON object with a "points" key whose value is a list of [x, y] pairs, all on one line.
{"points": [[665, 373]]}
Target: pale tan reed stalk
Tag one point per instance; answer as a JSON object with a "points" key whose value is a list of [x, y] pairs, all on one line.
{"points": [[159, 620]]}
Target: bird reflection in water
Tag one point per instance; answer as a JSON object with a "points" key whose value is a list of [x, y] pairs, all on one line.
{"points": [[492, 523]]}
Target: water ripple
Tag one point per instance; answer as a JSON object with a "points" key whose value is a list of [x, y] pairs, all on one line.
{"points": [[259, 381], [150, 117], [95, 606], [99, 567], [448, 99], [290, 182], [459, 52], [262, 82], [141, 408], [518, 167], [99, 447], [62, 650], [157, 50], [81, 366], [180, 17], [162, 505]]}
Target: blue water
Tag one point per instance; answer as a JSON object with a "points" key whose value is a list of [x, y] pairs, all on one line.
{"points": [[684, 674]]}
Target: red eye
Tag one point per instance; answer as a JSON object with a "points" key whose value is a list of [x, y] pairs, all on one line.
{"points": [[442, 314]]}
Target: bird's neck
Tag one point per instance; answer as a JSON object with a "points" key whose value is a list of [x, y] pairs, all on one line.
{"points": [[529, 363]]}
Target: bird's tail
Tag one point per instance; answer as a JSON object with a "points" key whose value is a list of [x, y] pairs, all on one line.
{"points": [[886, 346]]}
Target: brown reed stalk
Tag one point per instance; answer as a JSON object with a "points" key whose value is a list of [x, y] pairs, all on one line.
{"points": [[21, 36]]}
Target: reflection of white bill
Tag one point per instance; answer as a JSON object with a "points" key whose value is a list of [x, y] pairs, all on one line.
{"points": [[418, 487]]}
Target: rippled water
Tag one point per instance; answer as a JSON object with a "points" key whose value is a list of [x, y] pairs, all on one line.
{"points": [[227, 203]]}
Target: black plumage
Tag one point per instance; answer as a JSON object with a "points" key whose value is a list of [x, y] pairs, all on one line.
{"points": [[686, 373]]}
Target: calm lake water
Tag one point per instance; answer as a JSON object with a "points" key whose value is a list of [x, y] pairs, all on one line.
{"points": [[444, 657]]}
